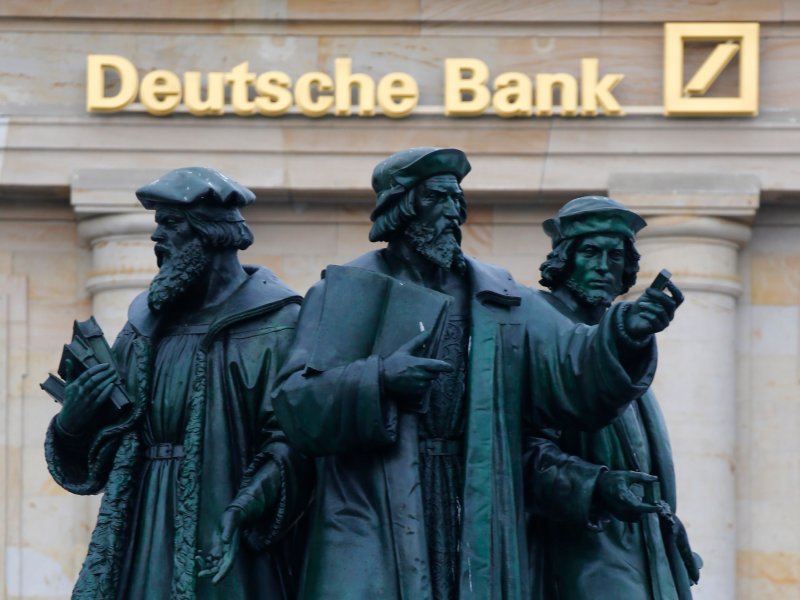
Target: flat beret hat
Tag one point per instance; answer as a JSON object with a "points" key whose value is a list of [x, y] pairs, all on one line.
{"points": [[404, 169], [593, 215], [206, 192]]}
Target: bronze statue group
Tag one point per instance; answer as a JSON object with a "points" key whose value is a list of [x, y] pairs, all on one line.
{"points": [[419, 427]]}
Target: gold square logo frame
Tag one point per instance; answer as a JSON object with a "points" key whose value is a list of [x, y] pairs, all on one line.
{"points": [[685, 99]]}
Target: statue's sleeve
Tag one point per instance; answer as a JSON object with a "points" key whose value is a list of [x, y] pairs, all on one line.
{"points": [[560, 486], [582, 376], [82, 464], [337, 410], [276, 486]]}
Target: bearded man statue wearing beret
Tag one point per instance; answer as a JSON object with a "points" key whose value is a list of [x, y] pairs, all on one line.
{"points": [[421, 500], [199, 462]]}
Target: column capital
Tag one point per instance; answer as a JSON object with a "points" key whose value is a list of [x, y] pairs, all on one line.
{"points": [[731, 196], [96, 192]]}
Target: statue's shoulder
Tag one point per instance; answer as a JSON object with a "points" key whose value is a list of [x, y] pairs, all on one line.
{"points": [[541, 304], [263, 299], [371, 261]]}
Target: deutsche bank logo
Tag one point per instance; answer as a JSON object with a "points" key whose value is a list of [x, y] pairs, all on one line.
{"points": [[684, 93]]}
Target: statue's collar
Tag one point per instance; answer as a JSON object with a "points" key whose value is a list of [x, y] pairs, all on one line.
{"points": [[488, 283], [493, 284], [262, 292]]}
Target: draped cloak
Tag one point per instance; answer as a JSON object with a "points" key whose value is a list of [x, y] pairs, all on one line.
{"points": [[229, 434], [367, 532], [580, 549]]}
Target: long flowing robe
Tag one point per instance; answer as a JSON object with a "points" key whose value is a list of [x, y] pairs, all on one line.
{"points": [[367, 521], [204, 386], [581, 549]]}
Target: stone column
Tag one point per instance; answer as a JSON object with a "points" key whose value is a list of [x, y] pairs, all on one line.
{"points": [[118, 231], [696, 227], [123, 264]]}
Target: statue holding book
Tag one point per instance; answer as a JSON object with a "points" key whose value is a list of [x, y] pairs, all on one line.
{"points": [[175, 423], [415, 375]]}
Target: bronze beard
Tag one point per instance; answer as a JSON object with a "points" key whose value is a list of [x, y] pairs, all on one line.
{"points": [[588, 299], [443, 249], [177, 275]]}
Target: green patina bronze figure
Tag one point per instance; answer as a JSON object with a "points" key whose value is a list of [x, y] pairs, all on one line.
{"points": [[198, 462], [617, 533], [421, 437]]}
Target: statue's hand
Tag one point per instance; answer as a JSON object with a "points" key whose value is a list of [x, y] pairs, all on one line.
{"points": [[84, 397], [613, 492], [652, 311], [224, 546], [406, 374]]}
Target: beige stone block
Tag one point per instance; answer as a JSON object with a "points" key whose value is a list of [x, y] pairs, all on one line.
{"points": [[477, 239], [523, 269], [689, 10], [301, 239], [353, 240], [531, 212], [774, 331], [363, 27], [273, 262], [301, 272], [519, 239], [776, 86], [542, 10], [128, 9], [16, 236], [382, 137], [145, 133], [355, 214], [775, 279], [773, 238], [768, 575], [356, 10], [51, 323], [479, 214]]}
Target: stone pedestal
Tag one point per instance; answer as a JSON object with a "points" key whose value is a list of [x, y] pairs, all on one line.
{"points": [[696, 228]]}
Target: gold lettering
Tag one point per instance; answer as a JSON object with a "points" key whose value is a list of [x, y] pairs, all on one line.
{"points": [[214, 104], [545, 86], [513, 96], [593, 91], [274, 94], [96, 65], [240, 79], [465, 91], [345, 80], [160, 92], [302, 94], [398, 95]]}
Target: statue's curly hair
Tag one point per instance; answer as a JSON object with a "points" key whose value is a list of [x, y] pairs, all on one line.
{"points": [[221, 235], [558, 265]]}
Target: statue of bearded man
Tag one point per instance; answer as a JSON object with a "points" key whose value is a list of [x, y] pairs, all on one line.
{"points": [[420, 457], [199, 462]]}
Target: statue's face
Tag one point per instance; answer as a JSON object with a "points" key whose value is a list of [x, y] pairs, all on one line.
{"points": [[182, 259], [597, 268], [438, 202], [436, 231], [172, 233]]}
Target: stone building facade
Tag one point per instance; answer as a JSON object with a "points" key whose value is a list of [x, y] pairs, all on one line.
{"points": [[721, 194]]}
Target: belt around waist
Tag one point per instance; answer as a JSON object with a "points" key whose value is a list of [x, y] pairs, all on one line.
{"points": [[440, 447], [163, 451]]}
